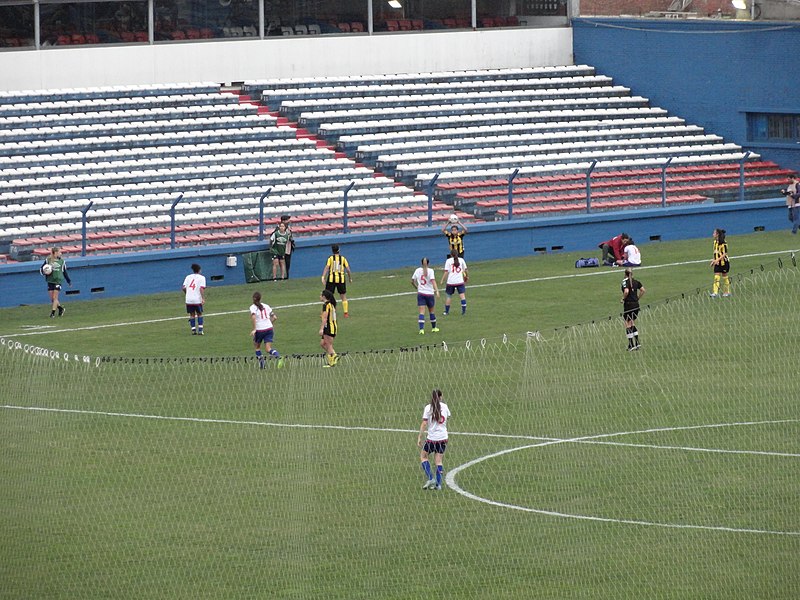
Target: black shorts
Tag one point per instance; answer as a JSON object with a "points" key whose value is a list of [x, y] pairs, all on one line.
{"points": [[722, 268], [341, 288], [435, 447], [53, 286], [629, 313], [327, 332]]}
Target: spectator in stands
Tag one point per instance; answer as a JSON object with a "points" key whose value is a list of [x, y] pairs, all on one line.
{"points": [[333, 276], [792, 193], [455, 233], [632, 290], [631, 255], [455, 273], [54, 270], [434, 420], [279, 241], [424, 280], [328, 327], [263, 319], [290, 246], [194, 286], [721, 264], [613, 248]]}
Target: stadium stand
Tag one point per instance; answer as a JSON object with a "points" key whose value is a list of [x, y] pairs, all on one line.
{"points": [[132, 151]]}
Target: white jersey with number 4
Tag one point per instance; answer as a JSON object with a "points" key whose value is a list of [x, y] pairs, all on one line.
{"points": [[437, 432], [455, 271], [263, 322], [424, 281], [193, 285]]}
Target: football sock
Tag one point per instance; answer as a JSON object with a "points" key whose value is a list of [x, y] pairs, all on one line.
{"points": [[52, 313], [635, 335], [629, 334], [463, 306], [726, 284], [274, 353], [260, 358], [433, 320], [446, 309], [426, 466], [192, 323], [715, 288], [346, 304], [421, 321], [439, 471], [200, 323]]}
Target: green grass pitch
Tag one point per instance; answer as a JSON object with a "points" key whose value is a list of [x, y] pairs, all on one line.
{"points": [[169, 466]]}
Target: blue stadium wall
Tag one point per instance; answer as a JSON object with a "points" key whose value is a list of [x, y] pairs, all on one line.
{"points": [[710, 72], [153, 272]]}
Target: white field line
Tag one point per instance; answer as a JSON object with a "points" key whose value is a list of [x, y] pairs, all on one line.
{"points": [[450, 478], [393, 295]]}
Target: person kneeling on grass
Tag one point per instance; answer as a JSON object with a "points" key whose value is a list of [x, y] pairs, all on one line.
{"points": [[631, 255]]}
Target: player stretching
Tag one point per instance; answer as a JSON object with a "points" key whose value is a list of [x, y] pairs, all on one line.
{"points": [[194, 286]]}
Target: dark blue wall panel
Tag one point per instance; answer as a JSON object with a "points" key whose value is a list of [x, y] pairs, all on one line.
{"points": [[710, 72]]}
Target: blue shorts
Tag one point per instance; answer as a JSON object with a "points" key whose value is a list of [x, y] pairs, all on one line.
{"points": [[194, 308], [426, 300], [263, 337], [435, 447], [455, 288]]}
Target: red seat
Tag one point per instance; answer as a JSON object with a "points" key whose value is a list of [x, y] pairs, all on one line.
{"points": [[392, 26], [357, 26], [344, 27]]}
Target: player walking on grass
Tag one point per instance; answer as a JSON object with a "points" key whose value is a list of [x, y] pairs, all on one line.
{"points": [[333, 276], [54, 270], [263, 319], [424, 279], [434, 419], [194, 286], [455, 273], [632, 290], [721, 264], [328, 328]]}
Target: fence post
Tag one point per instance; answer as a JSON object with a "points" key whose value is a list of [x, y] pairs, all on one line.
{"points": [[83, 227], [741, 176], [511, 193], [589, 186], [431, 186], [345, 224], [172, 221], [261, 214], [664, 182]]}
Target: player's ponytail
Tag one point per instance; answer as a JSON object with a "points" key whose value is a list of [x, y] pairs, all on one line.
{"points": [[257, 300], [436, 406], [425, 268]]}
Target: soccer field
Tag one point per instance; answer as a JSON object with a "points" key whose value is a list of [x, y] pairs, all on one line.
{"points": [[149, 463]]}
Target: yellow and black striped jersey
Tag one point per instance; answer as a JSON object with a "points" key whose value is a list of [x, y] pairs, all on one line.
{"points": [[456, 241], [337, 266], [329, 314], [721, 253]]}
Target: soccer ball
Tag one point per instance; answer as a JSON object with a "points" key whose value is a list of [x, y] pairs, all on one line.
{"points": [[453, 218], [47, 269]]}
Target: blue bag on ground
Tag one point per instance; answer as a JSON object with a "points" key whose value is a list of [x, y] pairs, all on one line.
{"points": [[587, 262]]}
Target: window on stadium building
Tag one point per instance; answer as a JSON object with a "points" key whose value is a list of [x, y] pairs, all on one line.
{"points": [[75, 23], [16, 25], [773, 127]]}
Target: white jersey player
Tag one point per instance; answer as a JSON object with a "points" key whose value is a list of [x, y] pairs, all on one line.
{"points": [[194, 285], [424, 279], [434, 420]]}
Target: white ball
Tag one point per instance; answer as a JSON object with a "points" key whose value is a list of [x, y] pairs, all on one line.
{"points": [[453, 218], [47, 269]]}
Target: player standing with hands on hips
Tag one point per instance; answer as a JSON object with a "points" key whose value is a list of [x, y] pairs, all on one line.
{"points": [[632, 290], [54, 270], [434, 419], [194, 285]]}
